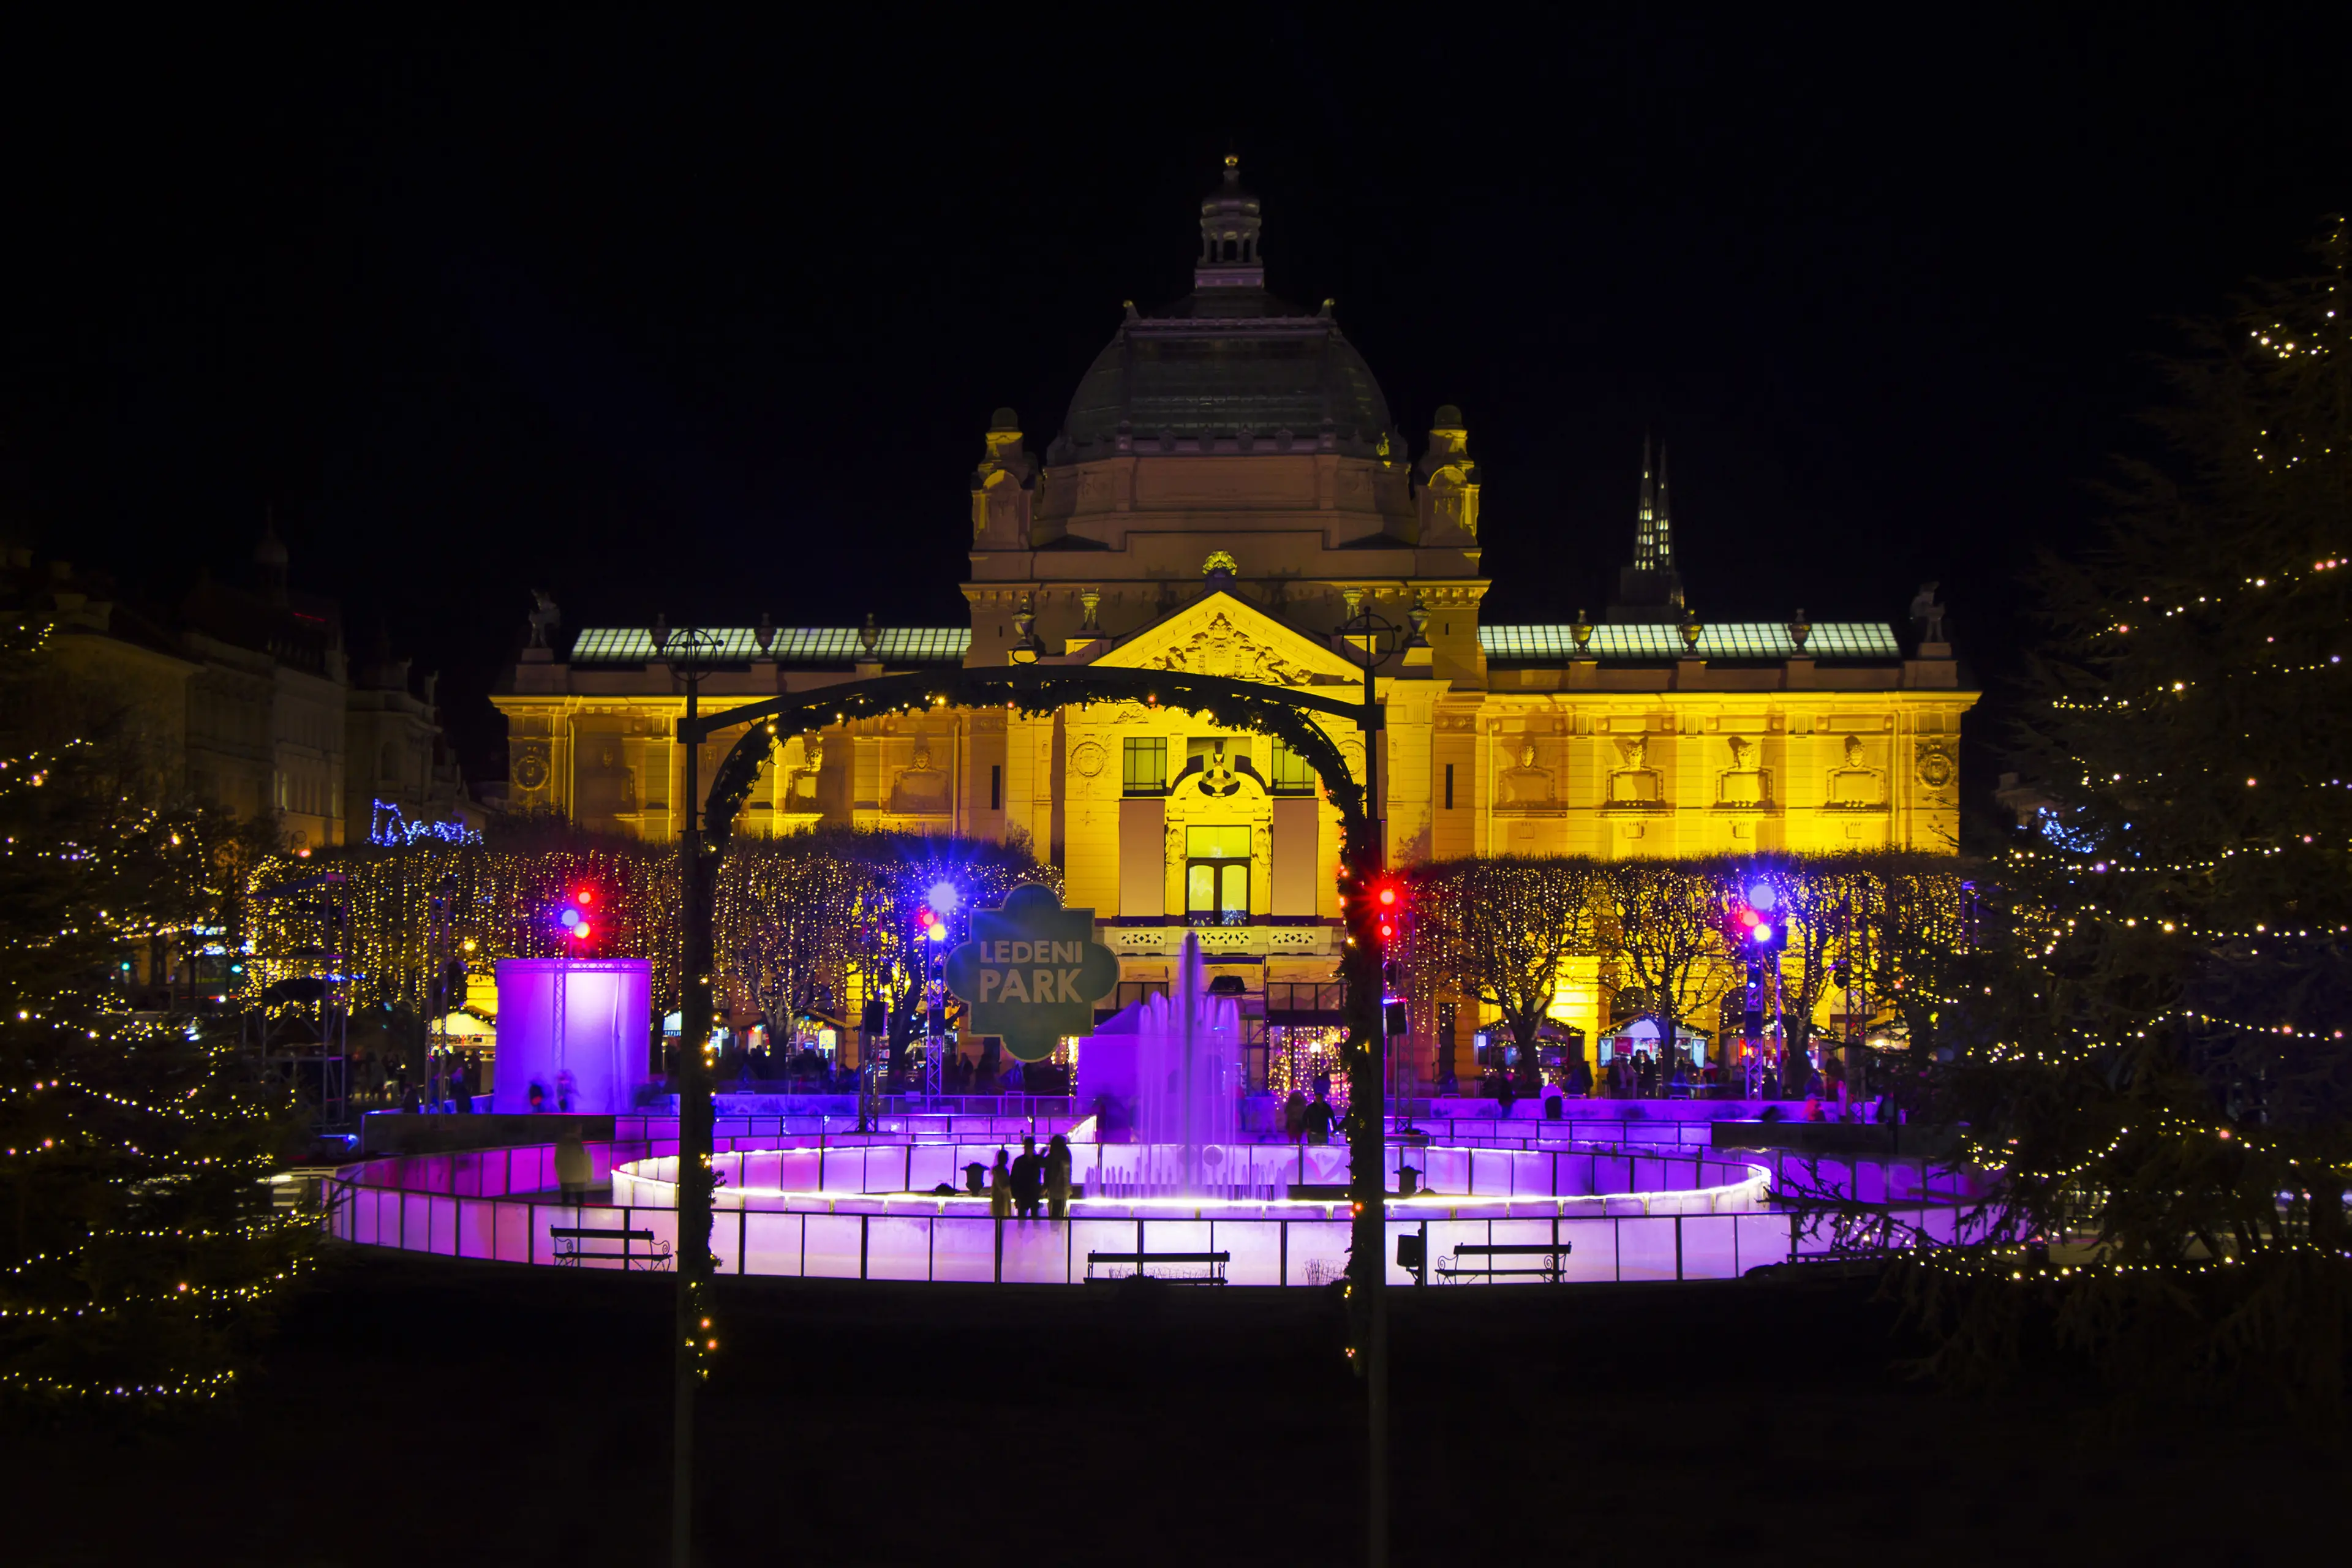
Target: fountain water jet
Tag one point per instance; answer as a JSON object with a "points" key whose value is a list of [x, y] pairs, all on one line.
{"points": [[1185, 1052]]}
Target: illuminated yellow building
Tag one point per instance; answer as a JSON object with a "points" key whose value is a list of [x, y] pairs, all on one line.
{"points": [[1226, 491]]}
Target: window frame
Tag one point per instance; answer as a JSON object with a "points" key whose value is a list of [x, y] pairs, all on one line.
{"points": [[1276, 784], [1131, 748]]}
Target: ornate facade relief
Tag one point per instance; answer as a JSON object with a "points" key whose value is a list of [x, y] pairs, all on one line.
{"points": [[920, 790], [799, 763], [1746, 783], [1633, 783], [1856, 785], [1224, 649], [1935, 766], [1220, 796], [1525, 788], [1219, 780]]}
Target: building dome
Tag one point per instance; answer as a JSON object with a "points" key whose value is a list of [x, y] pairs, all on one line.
{"points": [[1228, 363]]}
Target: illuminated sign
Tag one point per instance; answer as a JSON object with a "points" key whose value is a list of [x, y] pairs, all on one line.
{"points": [[1031, 972]]}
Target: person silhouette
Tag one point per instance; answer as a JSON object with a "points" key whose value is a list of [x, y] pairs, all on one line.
{"points": [[1000, 1188], [1027, 1179], [1057, 1177]]}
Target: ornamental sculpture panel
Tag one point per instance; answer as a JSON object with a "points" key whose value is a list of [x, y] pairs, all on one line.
{"points": [[1223, 649]]}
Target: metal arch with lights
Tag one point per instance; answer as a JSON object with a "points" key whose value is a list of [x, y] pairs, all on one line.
{"points": [[1287, 713]]}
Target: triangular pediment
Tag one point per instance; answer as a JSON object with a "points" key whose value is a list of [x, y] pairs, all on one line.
{"points": [[1220, 635]]}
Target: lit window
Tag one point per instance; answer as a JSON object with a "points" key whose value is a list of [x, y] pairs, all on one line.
{"points": [[1145, 766], [1292, 775]]}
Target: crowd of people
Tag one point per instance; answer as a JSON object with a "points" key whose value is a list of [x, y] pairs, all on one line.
{"points": [[746, 1060], [747, 1065], [449, 1080], [1641, 1075]]}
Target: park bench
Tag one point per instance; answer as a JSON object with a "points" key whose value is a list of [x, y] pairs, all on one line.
{"points": [[571, 1245], [1552, 1251], [1213, 1262]]}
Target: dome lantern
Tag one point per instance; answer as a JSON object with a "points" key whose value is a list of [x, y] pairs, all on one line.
{"points": [[1230, 224], [1229, 367]]}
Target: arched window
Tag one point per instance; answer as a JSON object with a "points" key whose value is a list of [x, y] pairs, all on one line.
{"points": [[1217, 876]]}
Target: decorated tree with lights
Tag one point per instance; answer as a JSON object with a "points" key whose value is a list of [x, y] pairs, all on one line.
{"points": [[1500, 932], [1887, 928], [1662, 927], [414, 905], [142, 1249], [2160, 1067], [1911, 948], [800, 919]]}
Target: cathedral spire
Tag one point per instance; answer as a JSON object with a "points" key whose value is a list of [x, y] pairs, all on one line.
{"points": [[1662, 533], [1651, 589], [1653, 539], [1230, 222]]}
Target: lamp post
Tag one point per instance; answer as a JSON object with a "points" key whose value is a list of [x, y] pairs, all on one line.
{"points": [[689, 655], [945, 901], [1374, 637]]}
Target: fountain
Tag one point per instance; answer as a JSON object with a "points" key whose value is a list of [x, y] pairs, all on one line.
{"points": [[1169, 1069]]}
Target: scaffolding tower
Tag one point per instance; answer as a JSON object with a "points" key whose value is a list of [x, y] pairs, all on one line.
{"points": [[299, 1023]]}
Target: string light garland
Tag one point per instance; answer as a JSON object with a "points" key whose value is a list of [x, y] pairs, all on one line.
{"points": [[1500, 932], [817, 919], [388, 826]]}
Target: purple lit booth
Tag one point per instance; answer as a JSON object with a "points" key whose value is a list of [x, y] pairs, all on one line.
{"points": [[589, 1017]]}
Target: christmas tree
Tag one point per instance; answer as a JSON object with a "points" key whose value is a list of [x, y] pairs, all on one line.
{"points": [[2160, 1068], [142, 1249]]}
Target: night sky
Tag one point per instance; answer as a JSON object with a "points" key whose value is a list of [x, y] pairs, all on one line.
{"points": [[710, 324]]}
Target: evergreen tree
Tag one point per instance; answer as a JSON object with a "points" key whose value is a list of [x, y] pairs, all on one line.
{"points": [[141, 1250], [2161, 1064]]}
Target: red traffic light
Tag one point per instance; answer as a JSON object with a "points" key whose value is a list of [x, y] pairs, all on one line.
{"points": [[1388, 897]]}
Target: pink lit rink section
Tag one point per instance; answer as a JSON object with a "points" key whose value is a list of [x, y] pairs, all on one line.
{"points": [[863, 1207]]}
